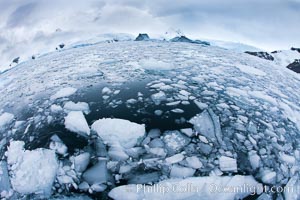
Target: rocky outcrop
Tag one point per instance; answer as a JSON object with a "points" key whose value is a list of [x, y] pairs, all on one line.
{"points": [[186, 39], [142, 37], [295, 66], [261, 54]]}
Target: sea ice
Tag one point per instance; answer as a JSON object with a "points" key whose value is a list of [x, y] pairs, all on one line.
{"points": [[227, 164], [80, 106], [81, 161], [119, 130], [175, 141], [153, 64], [208, 124], [32, 171], [201, 188], [5, 119], [178, 171], [76, 122], [64, 92], [97, 173]]}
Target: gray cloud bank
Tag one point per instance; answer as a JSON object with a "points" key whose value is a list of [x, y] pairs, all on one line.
{"points": [[32, 26]]}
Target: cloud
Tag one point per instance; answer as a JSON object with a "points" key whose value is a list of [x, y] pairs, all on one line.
{"points": [[28, 27]]}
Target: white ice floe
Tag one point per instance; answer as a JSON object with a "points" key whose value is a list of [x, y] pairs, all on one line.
{"points": [[292, 191], [5, 119], [76, 122], [81, 161], [227, 164], [175, 158], [207, 123], [5, 186], [203, 188], [97, 173], [157, 98], [32, 171], [268, 176], [119, 130], [64, 92], [194, 162], [80, 106], [178, 171], [153, 64], [174, 141], [250, 70], [55, 108]]}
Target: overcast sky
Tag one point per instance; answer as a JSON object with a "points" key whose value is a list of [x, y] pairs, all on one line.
{"points": [[31, 25]]}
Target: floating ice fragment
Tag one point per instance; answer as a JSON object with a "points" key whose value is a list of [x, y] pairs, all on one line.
{"points": [[227, 164], [175, 158], [153, 64], [64, 92], [178, 171], [97, 173], [81, 161], [268, 176], [194, 162], [76, 122], [5, 119], [157, 98], [119, 130], [80, 106], [208, 124], [175, 141], [32, 171]]}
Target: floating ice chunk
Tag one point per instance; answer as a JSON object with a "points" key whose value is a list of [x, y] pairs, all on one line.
{"points": [[32, 171], [119, 130], [81, 161], [254, 160], [187, 131], [158, 112], [73, 197], [55, 108], [98, 187], [131, 101], [157, 98], [5, 119], [116, 152], [194, 162], [4, 179], [158, 151], [80, 106], [227, 164], [292, 191], [76, 122], [175, 158], [204, 189], [96, 174], [153, 64], [178, 171], [175, 141], [208, 124], [177, 110], [287, 158], [268, 176], [250, 70], [106, 90], [175, 103], [64, 92], [203, 139], [84, 186]]}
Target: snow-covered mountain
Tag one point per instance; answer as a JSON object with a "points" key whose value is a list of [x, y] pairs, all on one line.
{"points": [[113, 118]]}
